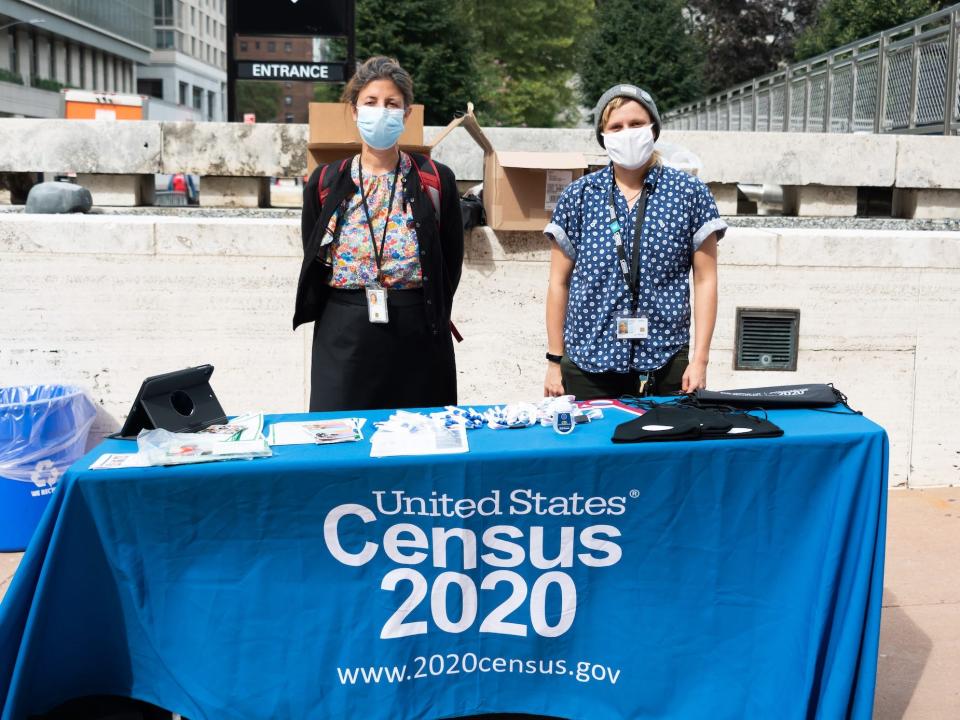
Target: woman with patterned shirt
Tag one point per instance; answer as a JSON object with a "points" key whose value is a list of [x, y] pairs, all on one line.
{"points": [[624, 240], [380, 267]]}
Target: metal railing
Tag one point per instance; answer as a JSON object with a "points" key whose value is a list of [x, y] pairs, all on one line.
{"points": [[902, 80]]}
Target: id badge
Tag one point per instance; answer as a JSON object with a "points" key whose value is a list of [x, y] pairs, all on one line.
{"points": [[377, 304], [632, 328]]}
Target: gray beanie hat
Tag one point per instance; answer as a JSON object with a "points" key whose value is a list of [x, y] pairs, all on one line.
{"points": [[628, 91]]}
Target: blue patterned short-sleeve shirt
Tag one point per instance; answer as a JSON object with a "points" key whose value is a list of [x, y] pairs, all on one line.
{"points": [[681, 213]]}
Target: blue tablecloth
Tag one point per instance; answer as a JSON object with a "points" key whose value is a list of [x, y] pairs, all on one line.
{"points": [[565, 576]]}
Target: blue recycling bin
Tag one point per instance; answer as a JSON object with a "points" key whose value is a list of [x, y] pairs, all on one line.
{"points": [[43, 429]]}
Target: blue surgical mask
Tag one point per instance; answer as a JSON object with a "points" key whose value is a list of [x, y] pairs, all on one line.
{"points": [[380, 127]]}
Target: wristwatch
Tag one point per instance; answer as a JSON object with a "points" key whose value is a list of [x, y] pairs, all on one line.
{"points": [[554, 358]]}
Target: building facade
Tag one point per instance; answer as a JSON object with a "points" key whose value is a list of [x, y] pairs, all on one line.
{"points": [[295, 96], [49, 45], [187, 75]]}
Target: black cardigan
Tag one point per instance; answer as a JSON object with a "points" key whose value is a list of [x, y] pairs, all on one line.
{"points": [[441, 249]]}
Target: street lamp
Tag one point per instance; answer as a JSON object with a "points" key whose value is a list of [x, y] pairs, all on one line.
{"points": [[35, 21]]}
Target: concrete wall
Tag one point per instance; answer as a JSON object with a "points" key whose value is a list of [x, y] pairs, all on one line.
{"points": [[105, 301], [819, 172]]}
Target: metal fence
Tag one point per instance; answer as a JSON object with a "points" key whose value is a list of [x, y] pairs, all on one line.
{"points": [[902, 80]]}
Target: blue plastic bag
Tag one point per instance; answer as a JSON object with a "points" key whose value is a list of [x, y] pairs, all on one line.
{"points": [[43, 430]]}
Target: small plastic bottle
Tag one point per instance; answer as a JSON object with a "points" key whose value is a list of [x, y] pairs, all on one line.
{"points": [[563, 422]]}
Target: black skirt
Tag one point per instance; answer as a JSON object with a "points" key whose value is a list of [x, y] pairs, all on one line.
{"points": [[360, 365]]}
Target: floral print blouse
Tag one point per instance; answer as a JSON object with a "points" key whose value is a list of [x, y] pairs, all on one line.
{"points": [[352, 253]]}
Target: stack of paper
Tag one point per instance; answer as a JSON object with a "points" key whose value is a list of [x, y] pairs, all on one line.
{"points": [[407, 433], [321, 432]]}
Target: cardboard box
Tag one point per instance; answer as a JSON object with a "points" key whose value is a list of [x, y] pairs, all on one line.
{"points": [[333, 133], [520, 189]]}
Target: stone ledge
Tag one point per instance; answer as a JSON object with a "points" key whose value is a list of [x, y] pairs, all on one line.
{"points": [[82, 146], [77, 234]]}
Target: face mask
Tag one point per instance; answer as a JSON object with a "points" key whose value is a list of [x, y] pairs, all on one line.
{"points": [[380, 127], [630, 148]]}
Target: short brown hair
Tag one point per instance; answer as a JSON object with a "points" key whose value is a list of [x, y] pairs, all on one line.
{"points": [[379, 67]]}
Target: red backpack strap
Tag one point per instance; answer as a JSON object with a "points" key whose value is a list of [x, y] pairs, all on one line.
{"points": [[326, 181], [429, 180]]}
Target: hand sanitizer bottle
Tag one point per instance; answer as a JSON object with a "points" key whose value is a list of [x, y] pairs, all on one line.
{"points": [[563, 417]]}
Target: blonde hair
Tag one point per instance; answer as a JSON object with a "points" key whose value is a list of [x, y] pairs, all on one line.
{"points": [[619, 102]]}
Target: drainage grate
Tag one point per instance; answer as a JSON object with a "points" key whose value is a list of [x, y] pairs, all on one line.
{"points": [[766, 339]]}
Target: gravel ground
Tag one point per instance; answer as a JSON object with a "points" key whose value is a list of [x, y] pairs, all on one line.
{"points": [[753, 221]]}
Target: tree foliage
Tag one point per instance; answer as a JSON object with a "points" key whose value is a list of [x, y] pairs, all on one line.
{"points": [[261, 98], [842, 21], [646, 42], [433, 41], [528, 57], [747, 38]]}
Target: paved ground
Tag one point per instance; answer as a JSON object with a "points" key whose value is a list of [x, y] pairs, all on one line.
{"points": [[919, 671]]}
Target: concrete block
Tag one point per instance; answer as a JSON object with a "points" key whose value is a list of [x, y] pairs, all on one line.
{"points": [[114, 320], [820, 201], [748, 246], [926, 204], [82, 146], [118, 190], [484, 248], [241, 237], [840, 309], [500, 312], [867, 248], [927, 161], [936, 438], [234, 149], [726, 196], [791, 158], [236, 192], [64, 235]]}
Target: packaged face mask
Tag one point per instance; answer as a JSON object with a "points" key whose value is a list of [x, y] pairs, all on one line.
{"points": [[630, 148]]}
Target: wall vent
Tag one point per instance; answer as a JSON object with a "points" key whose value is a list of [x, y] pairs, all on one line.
{"points": [[766, 339]]}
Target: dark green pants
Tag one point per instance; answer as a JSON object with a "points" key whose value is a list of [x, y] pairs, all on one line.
{"points": [[593, 386]]}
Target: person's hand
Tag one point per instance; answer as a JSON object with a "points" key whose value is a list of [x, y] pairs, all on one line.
{"points": [[694, 377], [553, 383]]}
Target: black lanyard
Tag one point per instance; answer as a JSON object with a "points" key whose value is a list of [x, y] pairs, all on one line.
{"points": [[631, 272], [378, 253]]}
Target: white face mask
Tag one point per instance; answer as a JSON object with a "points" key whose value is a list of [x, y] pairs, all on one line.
{"points": [[630, 148]]}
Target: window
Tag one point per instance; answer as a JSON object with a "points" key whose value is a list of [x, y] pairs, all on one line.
{"points": [[288, 100], [208, 24], [287, 47], [52, 60], [243, 46], [198, 98], [257, 44], [164, 39], [83, 66], [288, 85], [184, 90], [271, 46], [14, 48], [211, 104], [163, 12], [33, 55], [152, 88], [193, 17], [69, 64], [289, 118], [193, 46]]}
